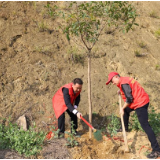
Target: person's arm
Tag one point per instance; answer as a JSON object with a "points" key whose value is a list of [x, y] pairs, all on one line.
{"points": [[77, 100], [128, 94], [68, 102], [67, 99]]}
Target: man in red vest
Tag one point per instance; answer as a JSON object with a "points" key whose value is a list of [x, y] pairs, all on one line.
{"points": [[67, 99], [135, 98]]}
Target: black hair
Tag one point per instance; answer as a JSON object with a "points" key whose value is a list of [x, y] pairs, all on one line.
{"points": [[77, 80]]}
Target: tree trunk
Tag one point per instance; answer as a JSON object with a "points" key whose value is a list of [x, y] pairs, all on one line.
{"points": [[89, 92]]}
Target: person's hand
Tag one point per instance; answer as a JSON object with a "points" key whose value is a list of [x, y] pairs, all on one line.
{"points": [[122, 111], [79, 115], [75, 106]]}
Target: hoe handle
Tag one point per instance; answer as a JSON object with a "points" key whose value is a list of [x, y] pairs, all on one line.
{"points": [[123, 128], [87, 123]]}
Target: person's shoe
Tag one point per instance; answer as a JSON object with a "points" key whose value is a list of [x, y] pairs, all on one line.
{"points": [[60, 135], [153, 155]]}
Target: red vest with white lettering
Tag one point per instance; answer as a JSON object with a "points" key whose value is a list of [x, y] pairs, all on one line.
{"points": [[58, 102], [140, 97]]}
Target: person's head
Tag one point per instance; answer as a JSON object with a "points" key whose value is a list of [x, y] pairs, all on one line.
{"points": [[113, 77], [77, 85]]}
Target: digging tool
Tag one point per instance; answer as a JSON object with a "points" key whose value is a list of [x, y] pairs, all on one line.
{"points": [[123, 128], [97, 133]]}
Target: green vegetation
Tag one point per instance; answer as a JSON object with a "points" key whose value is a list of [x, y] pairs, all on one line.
{"points": [[71, 142], [51, 10], [114, 125], [153, 14], [157, 33], [42, 26], [24, 142], [157, 67], [75, 56], [154, 121], [137, 53], [142, 45]]}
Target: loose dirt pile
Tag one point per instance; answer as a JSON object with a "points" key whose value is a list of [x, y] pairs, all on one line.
{"points": [[112, 148]]}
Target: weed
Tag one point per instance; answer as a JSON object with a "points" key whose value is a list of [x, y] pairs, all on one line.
{"points": [[24, 142], [154, 121], [157, 33], [42, 26], [51, 11], [157, 67], [137, 53], [55, 131], [142, 44], [153, 14], [135, 125], [71, 142], [74, 56], [114, 125]]}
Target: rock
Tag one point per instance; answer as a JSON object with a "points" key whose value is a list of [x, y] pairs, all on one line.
{"points": [[22, 122]]}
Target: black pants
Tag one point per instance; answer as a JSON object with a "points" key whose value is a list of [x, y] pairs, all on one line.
{"points": [[142, 114], [61, 121]]}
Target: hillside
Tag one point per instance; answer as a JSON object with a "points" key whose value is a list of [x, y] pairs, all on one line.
{"points": [[36, 60]]}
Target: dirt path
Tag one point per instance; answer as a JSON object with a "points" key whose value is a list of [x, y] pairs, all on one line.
{"points": [[55, 149]]}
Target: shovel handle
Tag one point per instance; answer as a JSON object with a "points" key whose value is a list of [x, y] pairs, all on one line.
{"points": [[87, 122], [123, 127]]}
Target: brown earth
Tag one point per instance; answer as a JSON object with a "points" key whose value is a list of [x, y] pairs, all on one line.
{"points": [[36, 60]]}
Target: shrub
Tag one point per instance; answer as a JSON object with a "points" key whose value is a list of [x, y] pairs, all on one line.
{"points": [[114, 125], [24, 142], [154, 121]]}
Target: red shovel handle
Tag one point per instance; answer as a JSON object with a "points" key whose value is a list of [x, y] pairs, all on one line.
{"points": [[87, 123]]}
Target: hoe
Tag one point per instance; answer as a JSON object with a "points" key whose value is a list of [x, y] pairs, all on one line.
{"points": [[97, 133]]}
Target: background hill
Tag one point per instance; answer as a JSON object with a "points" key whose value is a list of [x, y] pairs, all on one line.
{"points": [[36, 60]]}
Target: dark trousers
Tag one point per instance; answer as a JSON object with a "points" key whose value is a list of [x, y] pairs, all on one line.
{"points": [[61, 121], [142, 114]]}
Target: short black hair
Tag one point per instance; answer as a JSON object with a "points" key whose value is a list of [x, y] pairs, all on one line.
{"points": [[77, 80]]}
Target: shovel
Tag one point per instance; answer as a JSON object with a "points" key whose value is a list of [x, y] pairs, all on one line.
{"points": [[123, 128], [97, 133]]}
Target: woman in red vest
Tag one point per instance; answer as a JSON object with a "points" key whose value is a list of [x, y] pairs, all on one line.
{"points": [[135, 98], [67, 99]]}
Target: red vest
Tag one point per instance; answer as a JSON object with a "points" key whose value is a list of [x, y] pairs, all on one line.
{"points": [[58, 102], [140, 97]]}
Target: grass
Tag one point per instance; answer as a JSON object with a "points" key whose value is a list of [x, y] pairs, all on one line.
{"points": [[75, 56], [42, 26], [142, 44], [157, 33], [153, 14], [157, 67], [137, 53]]}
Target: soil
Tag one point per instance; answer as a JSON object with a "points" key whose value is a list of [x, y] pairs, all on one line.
{"points": [[53, 149], [36, 60]]}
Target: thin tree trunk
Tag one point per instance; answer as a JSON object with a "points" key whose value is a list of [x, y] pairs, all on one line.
{"points": [[89, 93]]}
